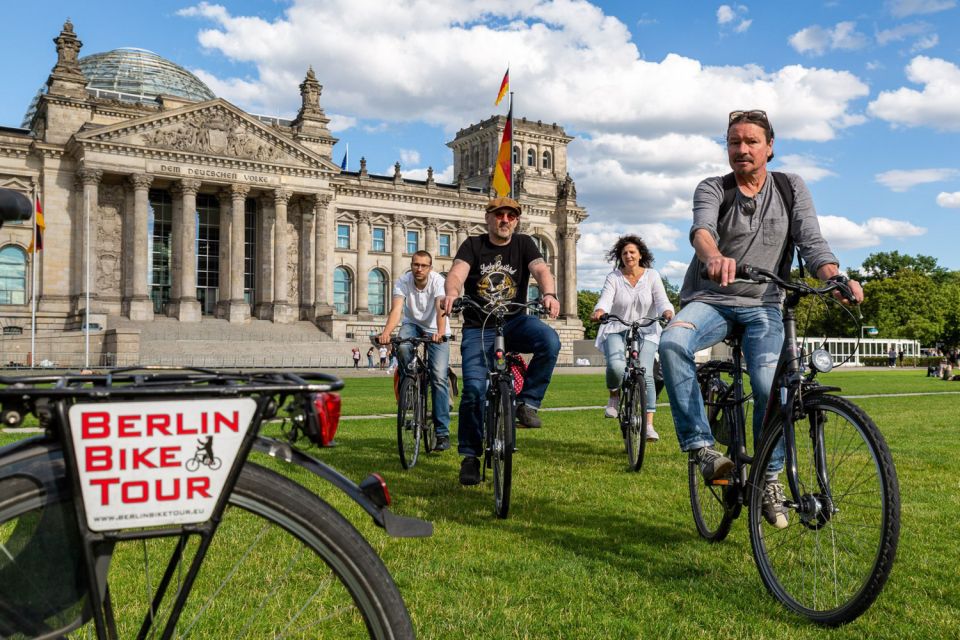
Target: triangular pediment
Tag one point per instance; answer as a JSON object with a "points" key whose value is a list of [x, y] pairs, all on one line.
{"points": [[209, 130]]}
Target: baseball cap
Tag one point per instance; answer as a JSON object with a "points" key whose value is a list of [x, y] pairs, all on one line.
{"points": [[503, 202]]}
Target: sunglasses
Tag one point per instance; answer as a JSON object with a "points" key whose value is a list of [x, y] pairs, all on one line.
{"points": [[509, 214], [755, 115]]}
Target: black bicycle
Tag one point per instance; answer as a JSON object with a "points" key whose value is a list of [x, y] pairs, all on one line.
{"points": [[413, 421], [108, 530], [834, 556], [499, 418], [632, 411]]}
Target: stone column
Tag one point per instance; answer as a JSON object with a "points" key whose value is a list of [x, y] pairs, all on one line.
{"points": [[363, 261], [306, 259], [323, 274], [569, 293], [184, 304], [140, 306], [223, 269], [239, 309], [264, 303], [281, 307], [463, 230], [89, 181], [431, 242], [398, 242]]}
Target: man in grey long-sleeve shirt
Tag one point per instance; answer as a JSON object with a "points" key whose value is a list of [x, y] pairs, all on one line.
{"points": [[753, 231]]}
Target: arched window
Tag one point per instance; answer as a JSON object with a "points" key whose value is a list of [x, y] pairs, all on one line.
{"points": [[544, 248], [475, 167], [377, 292], [342, 286], [516, 156], [531, 158], [13, 275], [547, 160]]}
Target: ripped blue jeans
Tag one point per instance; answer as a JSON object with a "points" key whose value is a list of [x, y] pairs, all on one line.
{"points": [[762, 341]]}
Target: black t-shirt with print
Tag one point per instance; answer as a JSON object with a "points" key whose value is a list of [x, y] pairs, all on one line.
{"points": [[497, 272]]}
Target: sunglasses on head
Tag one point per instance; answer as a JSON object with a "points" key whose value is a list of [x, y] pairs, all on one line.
{"points": [[755, 115], [509, 214]]}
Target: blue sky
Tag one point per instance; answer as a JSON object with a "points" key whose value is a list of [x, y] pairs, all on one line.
{"points": [[864, 96]]}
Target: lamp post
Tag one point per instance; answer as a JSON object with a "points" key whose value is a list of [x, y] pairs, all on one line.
{"points": [[869, 331]]}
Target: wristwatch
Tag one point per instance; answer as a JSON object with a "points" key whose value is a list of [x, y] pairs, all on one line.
{"points": [[552, 295]]}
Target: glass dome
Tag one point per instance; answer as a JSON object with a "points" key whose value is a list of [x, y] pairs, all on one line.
{"points": [[134, 75]]}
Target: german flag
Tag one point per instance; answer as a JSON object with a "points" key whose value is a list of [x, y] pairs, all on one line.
{"points": [[503, 169], [41, 226], [504, 87]]}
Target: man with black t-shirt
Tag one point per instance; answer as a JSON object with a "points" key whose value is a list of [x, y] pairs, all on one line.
{"points": [[497, 266]]}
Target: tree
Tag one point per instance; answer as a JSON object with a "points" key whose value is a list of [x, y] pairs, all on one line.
{"points": [[906, 305], [586, 301], [673, 293], [886, 264]]}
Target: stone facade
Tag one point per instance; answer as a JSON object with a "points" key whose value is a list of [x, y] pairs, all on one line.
{"points": [[196, 209]]}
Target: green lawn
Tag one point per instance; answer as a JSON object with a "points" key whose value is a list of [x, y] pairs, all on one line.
{"points": [[592, 551]]}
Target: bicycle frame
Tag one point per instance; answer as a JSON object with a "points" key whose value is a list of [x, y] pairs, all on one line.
{"points": [[51, 407]]}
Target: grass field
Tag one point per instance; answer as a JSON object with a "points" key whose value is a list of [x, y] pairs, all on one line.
{"points": [[592, 551]]}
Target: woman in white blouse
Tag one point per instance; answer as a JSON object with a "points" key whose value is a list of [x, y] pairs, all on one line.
{"points": [[632, 291]]}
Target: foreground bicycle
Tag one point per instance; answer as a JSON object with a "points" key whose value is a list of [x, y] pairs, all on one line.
{"points": [[833, 558], [632, 410], [413, 423], [108, 528], [499, 418]]}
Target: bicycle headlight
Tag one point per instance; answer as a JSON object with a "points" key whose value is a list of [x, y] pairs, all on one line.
{"points": [[821, 360]]}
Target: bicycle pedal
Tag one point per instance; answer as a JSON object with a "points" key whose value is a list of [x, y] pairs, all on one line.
{"points": [[720, 482]]}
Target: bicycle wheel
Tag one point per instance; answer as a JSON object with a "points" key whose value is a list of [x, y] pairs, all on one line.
{"points": [[635, 427], [283, 563], [215, 463], [502, 450], [408, 423], [426, 419], [192, 464], [832, 560], [715, 506]]}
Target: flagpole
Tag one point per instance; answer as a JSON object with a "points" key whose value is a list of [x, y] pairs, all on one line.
{"points": [[33, 284], [86, 286], [512, 134]]}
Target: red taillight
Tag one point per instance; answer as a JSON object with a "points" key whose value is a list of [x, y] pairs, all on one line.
{"points": [[327, 405], [375, 488]]}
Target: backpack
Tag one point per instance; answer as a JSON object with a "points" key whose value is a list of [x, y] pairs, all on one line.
{"points": [[785, 189]]}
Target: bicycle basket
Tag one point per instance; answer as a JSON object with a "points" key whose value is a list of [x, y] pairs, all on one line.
{"points": [[714, 390], [518, 370]]}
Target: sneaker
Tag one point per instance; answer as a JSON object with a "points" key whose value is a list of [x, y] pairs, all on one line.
{"points": [[652, 435], [443, 443], [612, 409], [470, 471], [772, 506], [713, 464], [527, 417]]}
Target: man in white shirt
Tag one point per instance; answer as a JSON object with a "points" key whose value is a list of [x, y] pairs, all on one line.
{"points": [[416, 298]]}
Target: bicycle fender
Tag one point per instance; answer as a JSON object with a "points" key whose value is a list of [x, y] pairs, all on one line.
{"points": [[395, 525]]}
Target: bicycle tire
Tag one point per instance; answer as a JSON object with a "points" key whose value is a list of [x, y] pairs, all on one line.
{"points": [[426, 420], [408, 423], [215, 463], [804, 566], [635, 433], [502, 450], [192, 464], [303, 566]]}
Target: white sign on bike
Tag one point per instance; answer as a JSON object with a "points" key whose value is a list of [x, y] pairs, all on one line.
{"points": [[145, 464]]}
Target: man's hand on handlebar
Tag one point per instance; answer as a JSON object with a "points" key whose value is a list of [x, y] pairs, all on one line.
{"points": [[446, 303], [383, 338], [721, 269], [855, 290], [552, 305]]}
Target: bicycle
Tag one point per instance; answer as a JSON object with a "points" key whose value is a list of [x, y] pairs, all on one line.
{"points": [[832, 560], [413, 424], [201, 458], [103, 535], [499, 418], [632, 409]]}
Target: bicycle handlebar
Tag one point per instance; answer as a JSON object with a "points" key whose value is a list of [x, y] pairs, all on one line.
{"points": [[756, 274], [495, 308], [642, 322]]}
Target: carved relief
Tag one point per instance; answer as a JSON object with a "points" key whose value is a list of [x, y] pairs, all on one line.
{"points": [[108, 243], [293, 263], [216, 134]]}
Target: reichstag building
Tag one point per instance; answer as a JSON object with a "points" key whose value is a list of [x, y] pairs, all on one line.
{"points": [[195, 231]]}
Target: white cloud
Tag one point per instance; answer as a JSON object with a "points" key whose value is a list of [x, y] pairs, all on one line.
{"points": [[902, 32], [903, 8], [725, 14], [743, 26], [843, 233], [902, 180], [597, 238], [949, 200], [409, 156], [926, 42], [445, 176], [804, 166], [816, 40], [934, 106], [674, 269], [431, 62], [340, 122]]}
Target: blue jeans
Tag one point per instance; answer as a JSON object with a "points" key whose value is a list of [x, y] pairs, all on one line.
{"points": [[615, 350], [762, 342], [522, 333], [438, 362]]}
